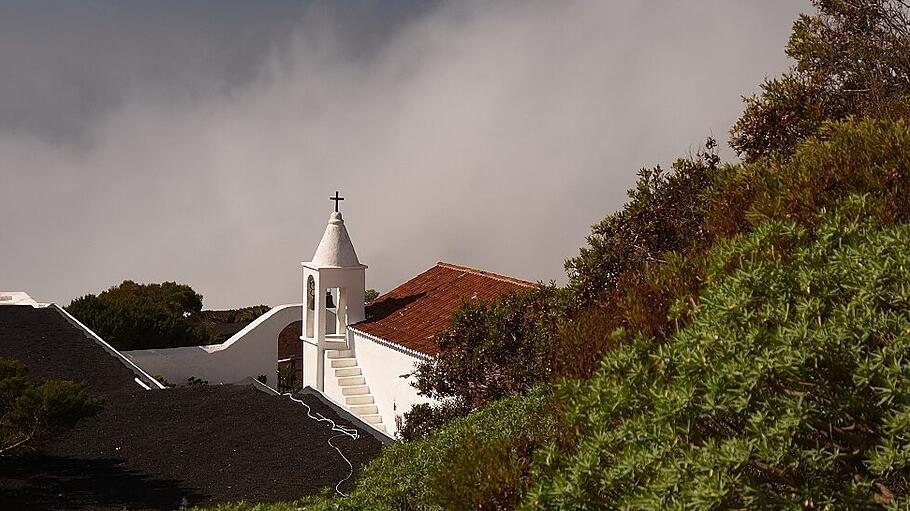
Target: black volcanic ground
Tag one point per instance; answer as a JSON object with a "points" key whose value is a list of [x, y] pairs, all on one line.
{"points": [[151, 449]]}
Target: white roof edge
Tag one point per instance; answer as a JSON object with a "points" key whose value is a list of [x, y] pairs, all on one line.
{"points": [[107, 347], [392, 344], [315, 266], [211, 348], [19, 298]]}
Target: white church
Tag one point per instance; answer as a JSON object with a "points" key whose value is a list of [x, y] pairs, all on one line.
{"points": [[358, 355]]}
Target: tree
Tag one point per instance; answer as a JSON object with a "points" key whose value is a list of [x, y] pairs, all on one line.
{"points": [[491, 350], [851, 58], [31, 412], [663, 214], [370, 295], [139, 316]]}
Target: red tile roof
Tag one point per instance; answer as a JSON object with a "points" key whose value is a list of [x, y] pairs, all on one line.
{"points": [[414, 313]]}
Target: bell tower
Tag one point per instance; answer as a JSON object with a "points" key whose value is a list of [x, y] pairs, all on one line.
{"points": [[333, 279]]}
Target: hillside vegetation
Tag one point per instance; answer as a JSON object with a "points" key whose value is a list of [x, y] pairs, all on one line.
{"points": [[736, 337]]}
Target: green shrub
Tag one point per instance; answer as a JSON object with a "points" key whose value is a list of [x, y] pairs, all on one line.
{"points": [[492, 350], [423, 418], [638, 284], [663, 214], [491, 447], [850, 60], [140, 316], [856, 156], [162, 380], [30, 413], [787, 390]]}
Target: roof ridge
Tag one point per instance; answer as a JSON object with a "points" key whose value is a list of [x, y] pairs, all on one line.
{"points": [[484, 273]]}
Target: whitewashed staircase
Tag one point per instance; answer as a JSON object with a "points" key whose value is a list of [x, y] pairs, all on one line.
{"points": [[354, 388]]}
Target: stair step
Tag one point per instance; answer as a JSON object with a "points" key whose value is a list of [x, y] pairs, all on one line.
{"points": [[344, 362], [347, 371], [380, 427], [336, 345], [359, 390], [351, 381], [373, 418], [364, 409], [339, 353], [359, 400]]}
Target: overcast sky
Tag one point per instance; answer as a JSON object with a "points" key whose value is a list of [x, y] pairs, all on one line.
{"points": [[199, 141]]}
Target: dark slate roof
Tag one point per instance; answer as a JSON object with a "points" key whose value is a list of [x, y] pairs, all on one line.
{"points": [[414, 313], [52, 348], [149, 449]]}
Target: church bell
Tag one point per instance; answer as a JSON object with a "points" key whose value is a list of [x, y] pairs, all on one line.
{"points": [[311, 294], [329, 303]]}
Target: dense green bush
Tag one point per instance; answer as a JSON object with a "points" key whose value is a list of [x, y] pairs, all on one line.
{"points": [[787, 390], [492, 350], [843, 158], [30, 413], [241, 315], [637, 287], [663, 214], [140, 316], [851, 59], [471, 463]]}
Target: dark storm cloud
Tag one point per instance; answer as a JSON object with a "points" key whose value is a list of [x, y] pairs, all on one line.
{"points": [[199, 141], [67, 63]]}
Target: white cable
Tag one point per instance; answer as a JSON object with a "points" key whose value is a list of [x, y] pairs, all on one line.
{"points": [[352, 433]]}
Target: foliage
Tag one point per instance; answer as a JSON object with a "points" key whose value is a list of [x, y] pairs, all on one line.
{"points": [[440, 471], [30, 412], [241, 315], [491, 350], [370, 295], [287, 376], [665, 310], [140, 316], [787, 390], [664, 214], [851, 59], [641, 303], [648, 263], [662, 301], [638, 289], [422, 419], [297, 505], [854, 156], [192, 381], [133, 316]]}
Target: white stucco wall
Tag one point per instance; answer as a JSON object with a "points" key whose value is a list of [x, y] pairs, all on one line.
{"points": [[310, 357], [248, 353], [383, 365]]}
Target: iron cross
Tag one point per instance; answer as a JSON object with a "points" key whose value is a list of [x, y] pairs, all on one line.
{"points": [[336, 198]]}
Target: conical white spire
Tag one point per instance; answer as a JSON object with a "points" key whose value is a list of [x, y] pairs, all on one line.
{"points": [[336, 249]]}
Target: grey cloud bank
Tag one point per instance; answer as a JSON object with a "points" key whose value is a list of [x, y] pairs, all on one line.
{"points": [[185, 142]]}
